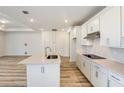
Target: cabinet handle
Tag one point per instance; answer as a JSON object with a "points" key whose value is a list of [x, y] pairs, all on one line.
{"points": [[42, 69], [108, 83], [97, 74], [91, 28], [97, 67], [115, 78]]}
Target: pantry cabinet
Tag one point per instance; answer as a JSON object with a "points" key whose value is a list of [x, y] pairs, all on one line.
{"points": [[93, 25], [83, 35], [99, 77], [110, 27]]}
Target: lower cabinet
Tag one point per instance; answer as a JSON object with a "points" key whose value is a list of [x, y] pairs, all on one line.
{"points": [[115, 80], [47, 75], [99, 76], [78, 61], [85, 67], [114, 84]]}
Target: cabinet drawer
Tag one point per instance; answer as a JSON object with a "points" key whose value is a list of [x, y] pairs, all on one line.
{"points": [[100, 68], [116, 78]]}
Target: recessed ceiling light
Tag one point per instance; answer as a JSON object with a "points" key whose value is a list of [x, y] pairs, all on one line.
{"points": [[3, 21], [32, 20], [66, 21], [1, 28]]}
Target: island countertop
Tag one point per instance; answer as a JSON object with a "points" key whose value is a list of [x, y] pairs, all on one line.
{"points": [[40, 59]]}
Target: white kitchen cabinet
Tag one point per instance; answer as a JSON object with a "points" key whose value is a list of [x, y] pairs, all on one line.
{"points": [[122, 36], [83, 35], [78, 41], [115, 80], [110, 27], [78, 61], [47, 75], [93, 25], [73, 33], [99, 76], [114, 84], [85, 67]]}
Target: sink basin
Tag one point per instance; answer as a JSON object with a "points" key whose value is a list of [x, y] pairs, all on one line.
{"points": [[52, 56]]}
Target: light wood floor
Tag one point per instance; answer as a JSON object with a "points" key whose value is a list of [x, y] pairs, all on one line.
{"points": [[14, 75], [71, 76]]}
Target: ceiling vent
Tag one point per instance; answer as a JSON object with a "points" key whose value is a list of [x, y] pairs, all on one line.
{"points": [[25, 12], [54, 30]]}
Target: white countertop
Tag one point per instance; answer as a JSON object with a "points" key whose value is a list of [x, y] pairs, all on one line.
{"points": [[113, 66], [40, 59]]}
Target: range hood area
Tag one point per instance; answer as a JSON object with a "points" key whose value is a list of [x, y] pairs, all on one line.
{"points": [[93, 35]]}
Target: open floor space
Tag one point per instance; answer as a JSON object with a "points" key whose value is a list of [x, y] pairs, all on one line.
{"points": [[13, 74]]}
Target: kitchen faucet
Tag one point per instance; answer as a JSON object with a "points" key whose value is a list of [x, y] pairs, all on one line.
{"points": [[46, 50]]}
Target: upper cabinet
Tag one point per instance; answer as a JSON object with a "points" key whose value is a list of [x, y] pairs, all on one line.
{"points": [[93, 25], [83, 35], [110, 23], [74, 32], [110, 27], [122, 36]]}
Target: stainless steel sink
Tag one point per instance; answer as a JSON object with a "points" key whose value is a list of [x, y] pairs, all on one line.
{"points": [[52, 56]]}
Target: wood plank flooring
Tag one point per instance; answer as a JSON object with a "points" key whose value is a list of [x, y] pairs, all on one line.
{"points": [[71, 76], [11, 73], [14, 75]]}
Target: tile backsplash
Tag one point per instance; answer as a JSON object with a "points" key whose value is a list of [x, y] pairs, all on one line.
{"points": [[116, 54]]}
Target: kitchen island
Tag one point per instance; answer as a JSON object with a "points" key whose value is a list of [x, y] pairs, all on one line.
{"points": [[42, 71]]}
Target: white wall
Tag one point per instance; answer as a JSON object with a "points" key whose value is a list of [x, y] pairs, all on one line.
{"points": [[14, 43], [37, 41], [110, 53], [1, 43]]}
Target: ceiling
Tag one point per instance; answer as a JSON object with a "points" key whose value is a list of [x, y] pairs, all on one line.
{"points": [[46, 17]]}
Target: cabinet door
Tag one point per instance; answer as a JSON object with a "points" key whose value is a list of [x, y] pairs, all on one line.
{"points": [[82, 66], [52, 75], [35, 75], [90, 27], [110, 27], [73, 32], [84, 34], [114, 84], [94, 75], [96, 26], [102, 79], [122, 37], [99, 76], [78, 62], [43, 75], [93, 25], [87, 70]]}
